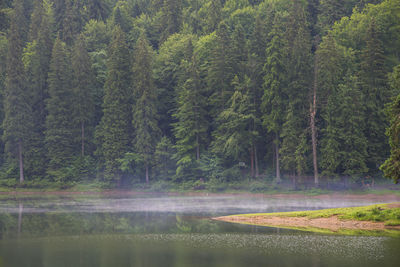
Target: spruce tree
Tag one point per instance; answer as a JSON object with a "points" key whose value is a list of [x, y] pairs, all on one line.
{"points": [[97, 9], [239, 52], [372, 80], [391, 167], [83, 84], [59, 121], [234, 138], [299, 73], [17, 118], [220, 71], [192, 124], [344, 146], [37, 57], [171, 18], [145, 121], [114, 131], [73, 21], [274, 100]]}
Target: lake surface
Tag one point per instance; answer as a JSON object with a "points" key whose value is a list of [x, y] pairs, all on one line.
{"points": [[159, 230]]}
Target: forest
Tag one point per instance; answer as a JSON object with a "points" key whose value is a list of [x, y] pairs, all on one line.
{"points": [[176, 91]]}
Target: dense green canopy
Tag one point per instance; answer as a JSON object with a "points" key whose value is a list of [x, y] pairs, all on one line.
{"points": [[138, 90]]}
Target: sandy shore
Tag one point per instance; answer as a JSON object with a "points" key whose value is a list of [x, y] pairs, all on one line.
{"points": [[332, 223]]}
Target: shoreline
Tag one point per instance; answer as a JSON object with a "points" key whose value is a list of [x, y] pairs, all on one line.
{"points": [[391, 197], [326, 220]]}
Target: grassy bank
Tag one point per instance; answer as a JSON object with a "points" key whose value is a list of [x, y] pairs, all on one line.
{"points": [[389, 214], [377, 220]]}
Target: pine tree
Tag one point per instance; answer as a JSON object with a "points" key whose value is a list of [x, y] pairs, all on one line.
{"points": [[299, 72], [214, 15], [329, 77], [36, 19], [83, 92], [171, 18], [351, 126], [391, 167], [97, 9], [192, 124], [239, 52], [165, 164], [37, 57], [330, 11], [17, 118], [234, 138], [114, 131], [274, 100], [145, 109], [73, 21], [344, 146], [59, 121], [220, 72], [372, 80]]}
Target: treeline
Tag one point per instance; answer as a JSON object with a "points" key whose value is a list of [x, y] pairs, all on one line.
{"points": [[186, 90]]}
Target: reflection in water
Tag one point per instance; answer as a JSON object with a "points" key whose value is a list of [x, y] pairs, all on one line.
{"points": [[21, 208], [177, 231]]}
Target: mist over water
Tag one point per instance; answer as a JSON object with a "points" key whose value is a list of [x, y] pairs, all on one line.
{"points": [[222, 205], [160, 230]]}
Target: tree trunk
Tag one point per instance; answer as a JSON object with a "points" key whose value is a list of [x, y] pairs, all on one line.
{"points": [[197, 147], [313, 112], [147, 173], [256, 161], [21, 163], [278, 171], [252, 162], [83, 139]]}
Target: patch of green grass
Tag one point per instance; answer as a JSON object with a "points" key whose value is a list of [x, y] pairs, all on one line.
{"points": [[376, 213]]}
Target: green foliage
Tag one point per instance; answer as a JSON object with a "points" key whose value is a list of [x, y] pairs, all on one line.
{"points": [[17, 110], [391, 167], [191, 128], [114, 131], [83, 89], [205, 75], [144, 110], [234, 135], [59, 134]]}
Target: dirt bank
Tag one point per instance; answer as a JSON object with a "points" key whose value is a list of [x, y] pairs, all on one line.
{"points": [[332, 223]]}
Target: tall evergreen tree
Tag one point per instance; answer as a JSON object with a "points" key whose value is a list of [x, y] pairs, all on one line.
{"points": [[372, 80], [239, 52], [192, 124], [234, 137], [17, 119], [114, 131], [220, 72], [171, 18], [83, 92], [391, 167], [274, 100], [299, 72], [73, 21], [145, 109], [59, 121], [97, 9], [37, 63], [36, 19], [329, 12], [343, 147]]}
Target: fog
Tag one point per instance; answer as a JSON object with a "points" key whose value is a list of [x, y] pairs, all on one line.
{"points": [[183, 204]]}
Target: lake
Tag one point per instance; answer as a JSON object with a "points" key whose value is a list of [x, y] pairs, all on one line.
{"points": [[161, 230]]}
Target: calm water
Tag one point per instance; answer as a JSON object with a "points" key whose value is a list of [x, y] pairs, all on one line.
{"points": [[174, 231]]}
